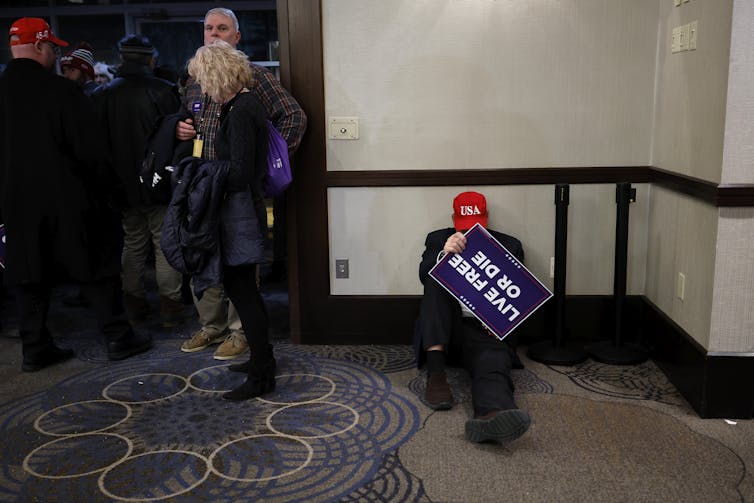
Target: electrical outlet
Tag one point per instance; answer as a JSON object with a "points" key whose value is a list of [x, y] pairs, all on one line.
{"points": [[552, 267], [681, 286], [343, 128], [341, 268]]}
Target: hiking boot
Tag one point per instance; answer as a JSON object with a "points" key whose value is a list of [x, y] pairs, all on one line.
{"points": [[201, 339], [438, 395], [234, 346], [498, 426], [137, 307]]}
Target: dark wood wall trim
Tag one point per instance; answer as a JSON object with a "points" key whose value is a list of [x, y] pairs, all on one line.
{"points": [[519, 176], [709, 192]]}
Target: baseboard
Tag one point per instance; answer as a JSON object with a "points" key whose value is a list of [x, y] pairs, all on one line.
{"points": [[716, 386]]}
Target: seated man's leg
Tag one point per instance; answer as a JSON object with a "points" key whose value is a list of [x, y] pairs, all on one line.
{"points": [[106, 298], [489, 362], [439, 315], [38, 349]]}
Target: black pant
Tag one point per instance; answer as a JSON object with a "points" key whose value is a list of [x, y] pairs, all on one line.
{"points": [[487, 359], [105, 297], [241, 287]]}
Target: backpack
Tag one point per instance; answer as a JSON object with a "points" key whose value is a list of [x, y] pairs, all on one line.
{"points": [[162, 152], [279, 175]]}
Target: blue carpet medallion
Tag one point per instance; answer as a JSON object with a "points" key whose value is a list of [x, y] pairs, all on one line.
{"points": [[157, 428]]}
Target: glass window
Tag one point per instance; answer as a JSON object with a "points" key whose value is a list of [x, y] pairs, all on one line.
{"points": [[176, 40], [102, 32]]}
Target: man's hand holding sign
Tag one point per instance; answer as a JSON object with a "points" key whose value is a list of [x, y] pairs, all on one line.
{"points": [[492, 283]]}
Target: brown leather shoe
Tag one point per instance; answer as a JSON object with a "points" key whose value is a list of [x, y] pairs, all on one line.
{"points": [[438, 395]]}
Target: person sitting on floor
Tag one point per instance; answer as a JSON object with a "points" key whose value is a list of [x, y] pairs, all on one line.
{"points": [[446, 332]]}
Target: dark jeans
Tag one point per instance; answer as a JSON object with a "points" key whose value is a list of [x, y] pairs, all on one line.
{"points": [[241, 288], [487, 360], [105, 297]]}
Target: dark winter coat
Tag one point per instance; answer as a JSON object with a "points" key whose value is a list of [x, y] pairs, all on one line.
{"points": [[129, 107], [54, 180], [217, 215]]}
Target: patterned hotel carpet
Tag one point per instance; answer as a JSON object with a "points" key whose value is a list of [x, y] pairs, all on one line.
{"points": [[346, 424]]}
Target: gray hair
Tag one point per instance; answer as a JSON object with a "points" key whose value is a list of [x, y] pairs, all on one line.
{"points": [[222, 11]]}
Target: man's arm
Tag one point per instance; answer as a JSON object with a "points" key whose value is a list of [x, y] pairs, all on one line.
{"points": [[437, 242], [282, 109]]}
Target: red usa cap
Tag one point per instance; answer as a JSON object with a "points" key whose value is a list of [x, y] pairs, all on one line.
{"points": [[28, 30], [469, 208]]}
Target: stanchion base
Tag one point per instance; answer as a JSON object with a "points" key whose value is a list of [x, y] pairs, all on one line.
{"points": [[546, 352], [625, 354]]}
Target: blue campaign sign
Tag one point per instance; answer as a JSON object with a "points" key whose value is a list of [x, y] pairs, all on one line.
{"points": [[493, 284]]}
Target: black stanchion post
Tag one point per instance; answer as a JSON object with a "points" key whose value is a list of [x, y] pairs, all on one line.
{"points": [[616, 352], [556, 352]]}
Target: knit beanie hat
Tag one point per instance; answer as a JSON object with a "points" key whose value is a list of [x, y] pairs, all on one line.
{"points": [[82, 58], [135, 44]]}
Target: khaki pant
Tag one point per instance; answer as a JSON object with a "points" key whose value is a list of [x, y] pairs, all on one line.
{"points": [[139, 226], [216, 311]]}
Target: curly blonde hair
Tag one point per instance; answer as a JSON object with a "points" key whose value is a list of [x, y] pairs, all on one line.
{"points": [[220, 70]]}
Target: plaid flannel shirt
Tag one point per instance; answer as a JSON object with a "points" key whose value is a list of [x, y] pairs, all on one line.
{"points": [[282, 110]]}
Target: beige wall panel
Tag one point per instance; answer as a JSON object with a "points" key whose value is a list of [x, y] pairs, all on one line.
{"points": [[738, 156], [691, 90], [661, 248], [682, 239], [733, 303], [445, 84], [381, 231]]}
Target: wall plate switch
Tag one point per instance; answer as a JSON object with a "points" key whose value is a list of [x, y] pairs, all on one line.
{"points": [[693, 27], [674, 41], [683, 38], [341, 268], [681, 286], [552, 267]]}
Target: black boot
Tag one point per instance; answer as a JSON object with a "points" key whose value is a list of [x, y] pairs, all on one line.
{"points": [[246, 366], [260, 381]]}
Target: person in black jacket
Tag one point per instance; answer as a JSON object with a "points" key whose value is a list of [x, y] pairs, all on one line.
{"points": [[54, 186], [241, 149], [129, 108], [447, 332]]}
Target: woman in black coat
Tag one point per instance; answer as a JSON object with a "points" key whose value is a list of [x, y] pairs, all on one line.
{"points": [[241, 147]]}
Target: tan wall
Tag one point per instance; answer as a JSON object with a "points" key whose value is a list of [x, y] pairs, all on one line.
{"points": [[442, 84], [381, 232], [691, 90], [446, 84]]}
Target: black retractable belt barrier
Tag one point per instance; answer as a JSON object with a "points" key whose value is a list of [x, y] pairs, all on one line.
{"points": [[556, 352], [616, 352]]}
